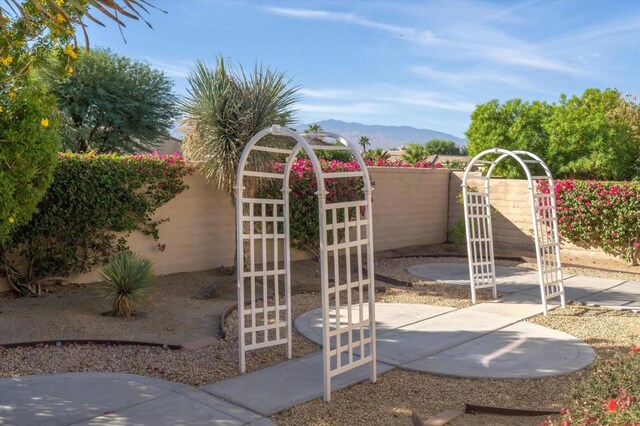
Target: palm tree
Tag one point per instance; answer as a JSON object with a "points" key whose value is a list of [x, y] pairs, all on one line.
{"points": [[413, 153], [364, 142], [72, 14], [224, 108], [376, 154], [313, 128]]}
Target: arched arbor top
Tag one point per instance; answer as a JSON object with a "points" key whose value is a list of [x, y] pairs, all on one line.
{"points": [[289, 143], [524, 158]]}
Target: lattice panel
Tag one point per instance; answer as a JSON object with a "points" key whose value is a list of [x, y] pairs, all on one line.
{"points": [[480, 241], [266, 320], [348, 285], [548, 245]]}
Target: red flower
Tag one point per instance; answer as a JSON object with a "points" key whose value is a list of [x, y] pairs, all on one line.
{"points": [[611, 405]]}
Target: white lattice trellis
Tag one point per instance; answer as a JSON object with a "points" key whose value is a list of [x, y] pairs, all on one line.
{"points": [[346, 246], [477, 214]]}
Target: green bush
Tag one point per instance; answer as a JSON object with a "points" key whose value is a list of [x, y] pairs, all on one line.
{"points": [[92, 199], [30, 141], [126, 281]]}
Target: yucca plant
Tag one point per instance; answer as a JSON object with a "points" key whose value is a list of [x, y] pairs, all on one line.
{"points": [[126, 281], [224, 108]]}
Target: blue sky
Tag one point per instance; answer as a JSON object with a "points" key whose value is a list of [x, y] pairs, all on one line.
{"points": [[422, 64]]}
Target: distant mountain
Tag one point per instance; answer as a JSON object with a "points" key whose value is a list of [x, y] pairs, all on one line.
{"points": [[386, 137]]}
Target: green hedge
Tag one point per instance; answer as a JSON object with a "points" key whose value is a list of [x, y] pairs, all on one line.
{"points": [[91, 200]]}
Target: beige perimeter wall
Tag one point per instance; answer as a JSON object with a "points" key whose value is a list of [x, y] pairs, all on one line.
{"points": [[512, 222], [409, 208]]}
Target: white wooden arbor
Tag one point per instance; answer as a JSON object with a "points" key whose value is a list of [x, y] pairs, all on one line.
{"points": [[477, 216], [263, 255]]}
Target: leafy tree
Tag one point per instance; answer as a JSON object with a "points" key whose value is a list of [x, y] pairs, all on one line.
{"points": [[514, 125], [464, 150], [441, 146], [364, 142], [225, 108], [595, 136], [114, 104], [376, 154], [414, 153]]}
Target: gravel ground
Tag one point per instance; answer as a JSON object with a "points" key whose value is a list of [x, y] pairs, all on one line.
{"points": [[397, 393], [193, 367]]}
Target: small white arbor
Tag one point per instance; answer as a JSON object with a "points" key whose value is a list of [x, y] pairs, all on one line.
{"points": [[263, 254], [477, 216]]}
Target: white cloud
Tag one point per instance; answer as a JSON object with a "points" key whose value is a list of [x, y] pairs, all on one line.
{"points": [[424, 37], [178, 69], [380, 98], [357, 108], [474, 39], [461, 78], [325, 93]]}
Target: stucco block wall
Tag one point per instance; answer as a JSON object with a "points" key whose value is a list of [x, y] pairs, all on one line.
{"points": [[409, 208], [512, 221]]}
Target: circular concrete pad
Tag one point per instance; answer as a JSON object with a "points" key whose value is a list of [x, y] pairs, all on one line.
{"points": [[458, 273], [485, 340]]}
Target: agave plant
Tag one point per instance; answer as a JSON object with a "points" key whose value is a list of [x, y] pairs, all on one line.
{"points": [[126, 281]]}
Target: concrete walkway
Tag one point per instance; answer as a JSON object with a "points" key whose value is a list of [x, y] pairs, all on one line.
{"points": [[113, 399], [485, 340], [610, 293]]}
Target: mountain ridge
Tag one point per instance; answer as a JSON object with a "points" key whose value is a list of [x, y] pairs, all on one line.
{"points": [[381, 136]]}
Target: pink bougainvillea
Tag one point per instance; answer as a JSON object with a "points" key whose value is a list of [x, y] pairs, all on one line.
{"points": [[605, 215]]}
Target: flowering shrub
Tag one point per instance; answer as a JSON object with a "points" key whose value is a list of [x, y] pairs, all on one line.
{"points": [[605, 215], [609, 396], [303, 209], [92, 198]]}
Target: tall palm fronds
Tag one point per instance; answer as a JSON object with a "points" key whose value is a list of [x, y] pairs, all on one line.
{"points": [[364, 142], [224, 108], [57, 14], [414, 153]]}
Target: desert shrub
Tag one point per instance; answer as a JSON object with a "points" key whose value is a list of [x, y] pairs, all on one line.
{"points": [[608, 396], [126, 282], [94, 202], [605, 215]]}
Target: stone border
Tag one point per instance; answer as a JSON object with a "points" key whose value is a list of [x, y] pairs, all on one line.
{"points": [[62, 342]]}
